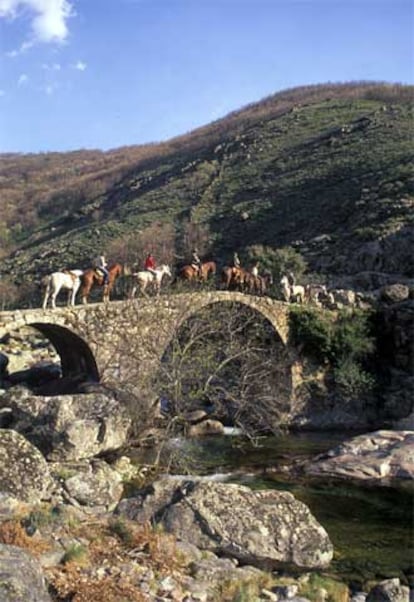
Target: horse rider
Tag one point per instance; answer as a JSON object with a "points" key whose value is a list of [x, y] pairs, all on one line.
{"points": [[101, 264], [236, 261], [196, 262], [255, 270], [150, 264], [291, 279]]}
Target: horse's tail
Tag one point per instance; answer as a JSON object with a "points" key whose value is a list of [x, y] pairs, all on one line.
{"points": [[45, 281]]}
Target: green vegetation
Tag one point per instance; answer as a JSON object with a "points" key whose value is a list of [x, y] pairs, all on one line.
{"points": [[120, 528], [345, 342], [75, 553], [277, 261]]}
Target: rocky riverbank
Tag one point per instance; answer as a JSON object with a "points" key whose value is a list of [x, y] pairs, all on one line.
{"points": [[81, 528]]}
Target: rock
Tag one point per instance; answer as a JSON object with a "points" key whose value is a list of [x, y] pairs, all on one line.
{"points": [[394, 293], [389, 590], [263, 528], [95, 484], [69, 427], [207, 427], [378, 455], [21, 577], [195, 416], [24, 473]]}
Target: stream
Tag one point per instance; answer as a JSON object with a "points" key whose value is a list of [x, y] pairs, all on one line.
{"points": [[371, 527]]}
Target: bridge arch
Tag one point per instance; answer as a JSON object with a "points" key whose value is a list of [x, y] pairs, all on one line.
{"points": [[75, 354], [273, 311]]}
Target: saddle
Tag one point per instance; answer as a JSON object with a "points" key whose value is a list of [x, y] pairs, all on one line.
{"points": [[99, 272]]}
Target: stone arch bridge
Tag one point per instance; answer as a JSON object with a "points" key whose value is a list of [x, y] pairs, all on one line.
{"points": [[124, 341]]}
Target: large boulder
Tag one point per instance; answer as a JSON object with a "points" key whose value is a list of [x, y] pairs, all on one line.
{"points": [[378, 455], [395, 293], [263, 528], [24, 473], [91, 483], [21, 577], [69, 427]]}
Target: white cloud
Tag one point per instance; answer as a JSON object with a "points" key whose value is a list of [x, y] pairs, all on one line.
{"points": [[23, 79], [48, 19], [80, 66]]}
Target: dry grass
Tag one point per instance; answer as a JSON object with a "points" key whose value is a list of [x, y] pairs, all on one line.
{"points": [[13, 534], [103, 575]]}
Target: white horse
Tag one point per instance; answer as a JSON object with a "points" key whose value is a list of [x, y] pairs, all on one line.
{"points": [[54, 282], [146, 278], [292, 292]]}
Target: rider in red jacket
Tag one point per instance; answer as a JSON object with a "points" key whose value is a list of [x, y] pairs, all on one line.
{"points": [[150, 263]]}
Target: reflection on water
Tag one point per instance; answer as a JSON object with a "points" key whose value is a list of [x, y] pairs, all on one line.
{"points": [[371, 527]]}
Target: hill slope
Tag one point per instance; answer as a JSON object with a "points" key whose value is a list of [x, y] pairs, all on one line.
{"points": [[325, 169]]}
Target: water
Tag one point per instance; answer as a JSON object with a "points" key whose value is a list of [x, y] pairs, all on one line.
{"points": [[371, 527]]}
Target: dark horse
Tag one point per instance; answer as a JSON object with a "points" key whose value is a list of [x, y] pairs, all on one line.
{"points": [[93, 277], [190, 274]]}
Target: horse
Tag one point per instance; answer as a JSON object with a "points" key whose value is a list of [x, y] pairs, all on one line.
{"points": [[233, 278], [190, 272], [257, 285], [69, 279], [292, 292], [315, 292], [146, 278], [92, 277]]}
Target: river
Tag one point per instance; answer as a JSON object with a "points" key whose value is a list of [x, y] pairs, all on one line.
{"points": [[371, 527]]}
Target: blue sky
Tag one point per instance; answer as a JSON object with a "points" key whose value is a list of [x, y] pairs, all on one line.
{"points": [[107, 73]]}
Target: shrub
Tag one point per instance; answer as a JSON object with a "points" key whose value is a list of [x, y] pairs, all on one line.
{"points": [[76, 553], [277, 261], [351, 379], [346, 343], [313, 332]]}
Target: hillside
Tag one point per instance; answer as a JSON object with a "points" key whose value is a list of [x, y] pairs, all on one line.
{"points": [[324, 169]]}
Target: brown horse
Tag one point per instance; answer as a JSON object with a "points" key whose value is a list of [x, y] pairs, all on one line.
{"points": [[257, 285], [92, 277], [191, 274], [233, 278]]}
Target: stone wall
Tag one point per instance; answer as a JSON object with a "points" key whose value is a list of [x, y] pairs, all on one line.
{"points": [[115, 342]]}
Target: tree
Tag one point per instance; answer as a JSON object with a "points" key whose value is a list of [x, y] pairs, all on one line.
{"points": [[227, 360]]}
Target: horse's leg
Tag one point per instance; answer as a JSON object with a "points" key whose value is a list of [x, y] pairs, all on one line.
{"points": [[46, 297], [55, 293], [85, 290], [75, 289]]}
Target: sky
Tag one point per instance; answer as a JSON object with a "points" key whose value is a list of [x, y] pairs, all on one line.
{"points": [[101, 74]]}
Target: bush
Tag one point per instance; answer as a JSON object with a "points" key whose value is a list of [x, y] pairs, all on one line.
{"points": [[352, 380], [313, 332], [277, 261], [346, 344]]}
